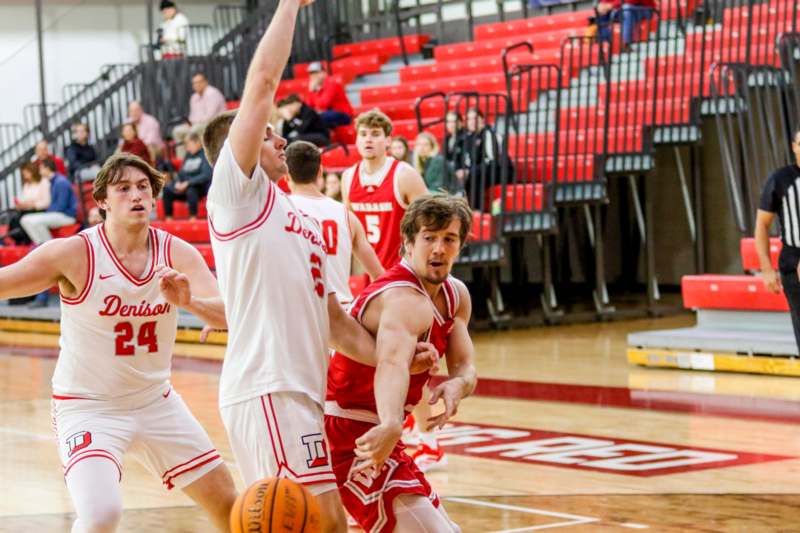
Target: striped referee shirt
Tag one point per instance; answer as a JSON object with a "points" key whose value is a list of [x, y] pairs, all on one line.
{"points": [[781, 195]]}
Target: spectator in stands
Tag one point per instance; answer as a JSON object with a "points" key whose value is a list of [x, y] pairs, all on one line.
{"points": [[399, 149], [453, 139], [630, 12], [428, 162], [327, 97], [132, 144], [35, 197], [481, 155], [42, 153], [60, 212], [81, 156], [193, 179], [205, 103], [781, 197], [147, 126], [301, 123], [173, 31], [333, 186]]}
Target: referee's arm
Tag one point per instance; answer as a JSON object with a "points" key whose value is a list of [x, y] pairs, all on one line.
{"points": [[772, 281]]}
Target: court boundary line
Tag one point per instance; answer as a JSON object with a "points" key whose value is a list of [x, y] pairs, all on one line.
{"points": [[573, 520]]}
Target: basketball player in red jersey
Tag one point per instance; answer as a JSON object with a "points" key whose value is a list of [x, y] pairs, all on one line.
{"points": [[379, 483], [120, 284], [378, 190]]}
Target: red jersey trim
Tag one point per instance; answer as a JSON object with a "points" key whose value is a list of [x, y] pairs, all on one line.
{"points": [[168, 251], [193, 464], [89, 274], [124, 271], [59, 397], [93, 453], [390, 172], [255, 224]]}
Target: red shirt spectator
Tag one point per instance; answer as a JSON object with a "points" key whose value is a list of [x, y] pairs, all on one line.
{"points": [[327, 97], [132, 144], [43, 152]]}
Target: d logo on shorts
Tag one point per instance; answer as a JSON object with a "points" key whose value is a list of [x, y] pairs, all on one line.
{"points": [[78, 441], [317, 451]]}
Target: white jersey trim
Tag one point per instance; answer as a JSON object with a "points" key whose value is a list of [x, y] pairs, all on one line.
{"points": [[89, 274], [255, 224], [153, 241]]}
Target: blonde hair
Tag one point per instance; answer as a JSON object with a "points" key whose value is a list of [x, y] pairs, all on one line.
{"points": [[375, 118], [418, 161]]}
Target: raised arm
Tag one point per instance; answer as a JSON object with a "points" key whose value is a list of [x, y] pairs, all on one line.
{"points": [[460, 364], [191, 285], [362, 250], [263, 76], [56, 261], [772, 281]]}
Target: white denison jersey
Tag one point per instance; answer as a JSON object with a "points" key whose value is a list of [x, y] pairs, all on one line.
{"points": [[118, 334], [332, 218], [271, 265]]}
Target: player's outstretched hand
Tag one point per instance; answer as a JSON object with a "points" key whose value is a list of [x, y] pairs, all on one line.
{"points": [[174, 286], [374, 447], [451, 392], [426, 358]]}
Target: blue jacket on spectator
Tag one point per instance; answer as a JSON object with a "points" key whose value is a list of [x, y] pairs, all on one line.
{"points": [[62, 197]]}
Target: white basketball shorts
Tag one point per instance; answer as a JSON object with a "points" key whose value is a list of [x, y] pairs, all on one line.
{"points": [[161, 433], [280, 435]]}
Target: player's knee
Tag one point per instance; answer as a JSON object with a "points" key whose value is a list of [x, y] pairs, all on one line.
{"points": [[333, 517], [100, 520]]}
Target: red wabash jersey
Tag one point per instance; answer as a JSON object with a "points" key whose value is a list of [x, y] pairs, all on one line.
{"points": [[350, 384], [380, 213], [350, 412]]}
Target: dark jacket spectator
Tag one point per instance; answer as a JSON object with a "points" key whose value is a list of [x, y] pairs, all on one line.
{"points": [[80, 154], [193, 179], [327, 97], [132, 144], [301, 123]]}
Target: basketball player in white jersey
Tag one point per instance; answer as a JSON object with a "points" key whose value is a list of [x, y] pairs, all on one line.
{"points": [[120, 282], [281, 311], [343, 233]]}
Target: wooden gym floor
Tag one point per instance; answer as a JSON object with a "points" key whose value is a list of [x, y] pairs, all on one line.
{"points": [[562, 434]]}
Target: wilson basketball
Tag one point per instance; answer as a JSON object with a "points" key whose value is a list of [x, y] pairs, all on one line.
{"points": [[276, 505]]}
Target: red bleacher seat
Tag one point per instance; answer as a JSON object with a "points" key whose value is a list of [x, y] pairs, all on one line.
{"points": [[338, 159], [65, 231], [743, 293], [575, 19], [384, 47], [299, 86], [343, 134], [406, 110], [232, 104], [483, 228], [195, 231], [569, 169], [747, 248], [12, 254], [493, 47], [519, 198], [181, 209], [672, 111], [620, 140]]}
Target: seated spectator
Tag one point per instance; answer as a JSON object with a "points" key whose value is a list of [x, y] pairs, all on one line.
{"points": [[481, 157], [172, 31], [192, 181], [42, 153], [148, 128], [428, 162], [399, 149], [333, 186], [631, 12], [132, 144], [301, 123], [453, 139], [60, 212], [205, 103], [327, 97], [81, 156], [35, 197]]}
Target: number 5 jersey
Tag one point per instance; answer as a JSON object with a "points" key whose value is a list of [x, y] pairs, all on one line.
{"points": [[118, 334]]}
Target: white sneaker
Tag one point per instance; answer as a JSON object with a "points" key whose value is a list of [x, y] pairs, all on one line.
{"points": [[428, 458]]}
